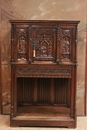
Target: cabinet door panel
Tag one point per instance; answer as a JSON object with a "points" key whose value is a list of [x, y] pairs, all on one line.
{"points": [[43, 43]]}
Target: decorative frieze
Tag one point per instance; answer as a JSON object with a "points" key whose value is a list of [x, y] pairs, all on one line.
{"points": [[43, 72]]}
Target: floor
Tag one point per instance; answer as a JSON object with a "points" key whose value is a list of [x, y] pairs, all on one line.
{"points": [[5, 125]]}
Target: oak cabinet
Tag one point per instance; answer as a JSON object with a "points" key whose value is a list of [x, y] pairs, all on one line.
{"points": [[43, 73]]}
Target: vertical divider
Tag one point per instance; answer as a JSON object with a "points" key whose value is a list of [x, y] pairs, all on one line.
{"points": [[35, 90], [68, 89], [52, 91]]}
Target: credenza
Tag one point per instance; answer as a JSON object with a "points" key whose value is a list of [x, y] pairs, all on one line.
{"points": [[43, 73]]}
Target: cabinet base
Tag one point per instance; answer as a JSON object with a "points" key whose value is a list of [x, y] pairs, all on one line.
{"points": [[61, 122]]}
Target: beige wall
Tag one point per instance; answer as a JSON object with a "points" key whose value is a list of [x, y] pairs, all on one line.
{"points": [[43, 9]]}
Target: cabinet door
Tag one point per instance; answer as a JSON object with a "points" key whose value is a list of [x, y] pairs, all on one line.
{"points": [[20, 43], [43, 43], [67, 44]]}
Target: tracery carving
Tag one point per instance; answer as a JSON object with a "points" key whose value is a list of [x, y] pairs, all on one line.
{"points": [[45, 37]]}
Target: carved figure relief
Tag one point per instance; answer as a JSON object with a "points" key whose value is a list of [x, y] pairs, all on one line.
{"points": [[22, 44], [66, 41], [65, 46]]}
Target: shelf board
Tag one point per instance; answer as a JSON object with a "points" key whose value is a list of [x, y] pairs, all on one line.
{"points": [[42, 112]]}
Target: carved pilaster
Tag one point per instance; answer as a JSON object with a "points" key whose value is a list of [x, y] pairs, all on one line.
{"points": [[58, 43], [76, 41], [58, 35], [12, 41], [30, 44], [12, 111]]}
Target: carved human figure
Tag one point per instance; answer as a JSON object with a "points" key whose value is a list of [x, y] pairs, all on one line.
{"points": [[22, 44], [44, 49], [65, 46]]}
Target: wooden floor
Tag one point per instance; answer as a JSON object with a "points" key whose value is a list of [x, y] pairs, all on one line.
{"points": [[5, 125]]}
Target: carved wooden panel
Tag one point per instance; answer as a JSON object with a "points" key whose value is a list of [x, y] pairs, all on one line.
{"points": [[22, 41], [19, 46], [44, 43], [66, 44]]}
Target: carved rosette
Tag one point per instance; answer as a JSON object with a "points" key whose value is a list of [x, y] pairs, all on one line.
{"points": [[22, 44], [44, 72], [66, 43]]}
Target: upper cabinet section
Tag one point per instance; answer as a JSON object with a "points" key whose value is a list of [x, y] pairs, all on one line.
{"points": [[43, 42]]}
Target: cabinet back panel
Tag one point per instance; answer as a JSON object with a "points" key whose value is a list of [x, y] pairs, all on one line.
{"points": [[43, 90], [60, 90], [25, 88], [39, 90]]}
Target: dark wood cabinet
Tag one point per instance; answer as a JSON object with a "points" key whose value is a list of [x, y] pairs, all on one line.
{"points": [[43, 73]]}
